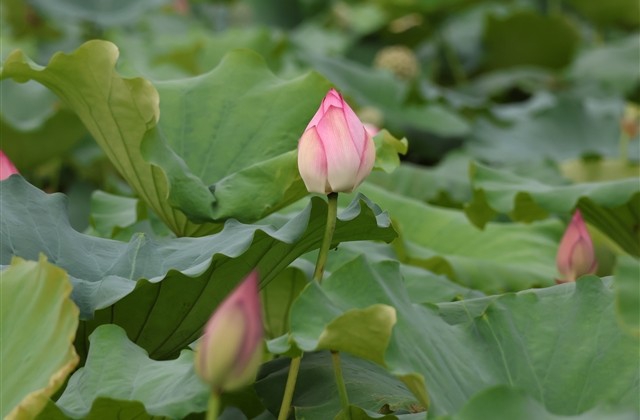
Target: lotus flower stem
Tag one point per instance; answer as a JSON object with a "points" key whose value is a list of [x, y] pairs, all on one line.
{"points": [[290, 387], [332, 212], [342, 388], [213, 406]]}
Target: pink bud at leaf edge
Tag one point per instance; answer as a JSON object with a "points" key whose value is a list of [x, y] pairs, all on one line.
{"points": [[576, 254], [7, 168]]}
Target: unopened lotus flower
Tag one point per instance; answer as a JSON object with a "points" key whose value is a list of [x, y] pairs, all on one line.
{"points": [[7, 168], [576, 255], [336, 152], [230, 351]]}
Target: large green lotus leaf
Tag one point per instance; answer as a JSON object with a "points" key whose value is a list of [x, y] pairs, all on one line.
{"points": [[611, 206], [315, 398], [247, 130], [503, 402], [544, 341], [528, 38], [277, 297], [162, 292], [423, 285], [565, 127], [39, 323], [210, 177], [227, 139], [627, 287], [121, 371], [116, 111], [445, 242]]}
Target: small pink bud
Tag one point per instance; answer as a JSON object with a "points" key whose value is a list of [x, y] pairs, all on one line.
{"points": [[576, 256], [335, 152], [230, 351], [7, 168]]}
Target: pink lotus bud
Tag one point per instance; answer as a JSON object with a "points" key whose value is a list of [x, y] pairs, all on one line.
{"points": [[6, 167], [576, 256], [335, 153], [230, 352]]}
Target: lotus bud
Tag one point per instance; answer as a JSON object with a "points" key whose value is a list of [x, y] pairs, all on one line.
{"points": [[7, 168], [576, 255], [230, 351], [335, 152]]}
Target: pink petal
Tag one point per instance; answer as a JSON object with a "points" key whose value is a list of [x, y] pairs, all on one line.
{"points": [[7, 168], [342, 156], [332, 98], [356, 128], [312, 161], [232, 337], [576, 255], [367, 160], [247, 297]]}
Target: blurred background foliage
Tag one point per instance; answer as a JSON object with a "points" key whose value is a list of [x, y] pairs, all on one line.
{"points": [[538, 87]]}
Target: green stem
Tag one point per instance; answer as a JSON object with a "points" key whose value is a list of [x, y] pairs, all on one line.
{"points": [[330, 227], [213, 406], [342, 388], [290, 387], [332, 211]]}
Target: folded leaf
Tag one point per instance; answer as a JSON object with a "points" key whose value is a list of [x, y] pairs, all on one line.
{"points": [[162, 292], [39, 322]]}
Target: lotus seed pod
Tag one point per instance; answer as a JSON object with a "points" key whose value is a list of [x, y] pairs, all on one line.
{"points": [[398, 59]]}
